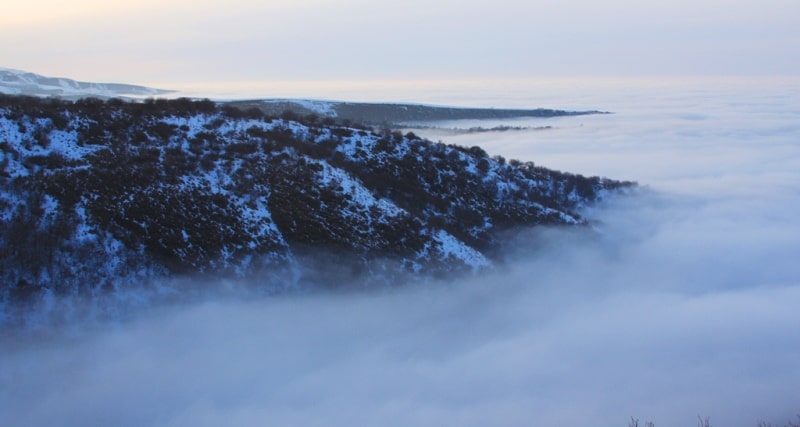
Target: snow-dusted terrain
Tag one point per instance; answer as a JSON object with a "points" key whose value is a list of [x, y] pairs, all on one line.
{"points": [[17, 82], [110, 199]]}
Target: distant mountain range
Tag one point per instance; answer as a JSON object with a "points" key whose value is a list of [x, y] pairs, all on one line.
{"points": [[393, 114], [16, 82]]}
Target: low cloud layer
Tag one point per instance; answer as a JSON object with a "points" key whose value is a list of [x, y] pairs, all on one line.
{"points": [[682, 302]]}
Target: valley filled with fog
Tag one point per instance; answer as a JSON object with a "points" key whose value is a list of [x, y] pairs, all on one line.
{"points": [[680, 301]]}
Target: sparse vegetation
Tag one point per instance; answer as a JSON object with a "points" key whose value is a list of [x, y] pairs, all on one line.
{"points": [[351, 114], [706, 422]]}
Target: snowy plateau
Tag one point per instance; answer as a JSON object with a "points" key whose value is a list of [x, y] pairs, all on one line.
{"points": [[17, 82], [119, 204]]}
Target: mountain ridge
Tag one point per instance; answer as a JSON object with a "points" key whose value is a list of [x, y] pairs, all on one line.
{"points": [[108, 199], [396, 114], [17, 82]]}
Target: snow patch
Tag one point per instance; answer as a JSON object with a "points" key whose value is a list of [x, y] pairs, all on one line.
{"points": [[448, 246], [360, 194]]}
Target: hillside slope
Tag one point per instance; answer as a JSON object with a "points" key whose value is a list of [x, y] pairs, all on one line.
{"points": [[16, 82], [103, 198], [392, 114]]}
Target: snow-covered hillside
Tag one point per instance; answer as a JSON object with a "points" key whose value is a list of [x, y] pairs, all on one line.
{"points": [[108, 199], [16, 82]]}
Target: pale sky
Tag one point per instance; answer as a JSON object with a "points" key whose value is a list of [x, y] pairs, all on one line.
{"points": [[155, 41]]}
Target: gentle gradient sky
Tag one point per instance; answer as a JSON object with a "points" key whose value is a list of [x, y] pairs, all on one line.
{"points": [[156, 42]]}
